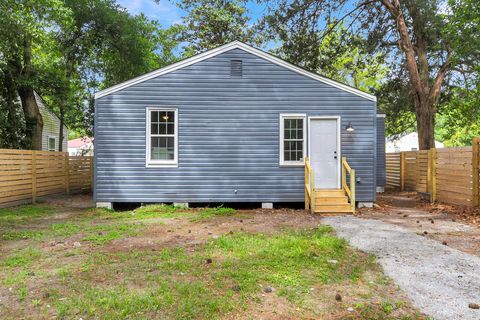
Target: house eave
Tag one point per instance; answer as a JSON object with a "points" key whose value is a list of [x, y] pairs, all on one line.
{"points": [[227, 47]]}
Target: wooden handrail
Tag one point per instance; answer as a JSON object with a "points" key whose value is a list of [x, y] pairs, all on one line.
{"points": [[309, 186], [348, 188]]}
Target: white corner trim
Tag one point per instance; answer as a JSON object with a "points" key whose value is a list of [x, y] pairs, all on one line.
{"points": [[381, 115], [282, 162], [222, 49], [160, 163]]}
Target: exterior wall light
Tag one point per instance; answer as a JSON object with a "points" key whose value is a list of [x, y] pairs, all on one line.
{"points": [[349, 127]]}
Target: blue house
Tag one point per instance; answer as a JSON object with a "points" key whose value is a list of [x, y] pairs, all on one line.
{"points": [[236, 124]]}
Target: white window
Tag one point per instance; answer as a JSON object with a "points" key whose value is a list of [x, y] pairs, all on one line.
{"points": [[292, 139], [52, 142], [162, 137]]}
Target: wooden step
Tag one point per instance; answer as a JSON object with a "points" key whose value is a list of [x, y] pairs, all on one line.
{"points": [[331, 200], [333, 208], [329, 193]]}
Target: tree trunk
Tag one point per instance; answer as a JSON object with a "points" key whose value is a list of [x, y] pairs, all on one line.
{"points": [[416, 63], [425, 115], [33, 118], [62, 123]]}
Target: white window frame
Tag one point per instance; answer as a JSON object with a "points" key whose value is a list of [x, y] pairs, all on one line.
{"points": [[161, 163], [284, 116], [55, 143]]}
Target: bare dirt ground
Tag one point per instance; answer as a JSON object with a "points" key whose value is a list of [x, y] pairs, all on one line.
{"points": [[453, 226], [52, 280]]}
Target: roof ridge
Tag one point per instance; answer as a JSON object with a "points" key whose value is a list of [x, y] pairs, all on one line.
{"points": [[224, 48]]}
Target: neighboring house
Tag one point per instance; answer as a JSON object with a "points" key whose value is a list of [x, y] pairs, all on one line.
{"points": [[80, 147], [233, 124], [51, 128], [408, 142]]}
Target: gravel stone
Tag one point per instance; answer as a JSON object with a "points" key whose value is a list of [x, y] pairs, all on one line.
{"points": [[440, 281]]}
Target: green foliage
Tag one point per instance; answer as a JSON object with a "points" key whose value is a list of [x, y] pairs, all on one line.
{"points": [[459, 119], [211, 23], [78, 47], [443, 30]]}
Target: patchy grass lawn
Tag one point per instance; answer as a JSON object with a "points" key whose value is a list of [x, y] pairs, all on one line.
{"points": [[161, 262]]}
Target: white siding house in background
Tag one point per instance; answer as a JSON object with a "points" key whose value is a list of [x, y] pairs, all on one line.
{"points": [[51, 128], [408, 142]]}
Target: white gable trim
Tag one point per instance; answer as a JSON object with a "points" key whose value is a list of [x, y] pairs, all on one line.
{"points": [[225, 48]]}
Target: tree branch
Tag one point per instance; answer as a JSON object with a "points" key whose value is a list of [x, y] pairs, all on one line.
{"points": [[335, 24], [434, 93]]}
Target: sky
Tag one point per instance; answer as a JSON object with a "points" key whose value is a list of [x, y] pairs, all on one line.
{"points": [[167, 13]]}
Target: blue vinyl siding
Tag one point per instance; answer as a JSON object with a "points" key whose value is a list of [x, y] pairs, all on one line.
{"points": [[228, 134]]}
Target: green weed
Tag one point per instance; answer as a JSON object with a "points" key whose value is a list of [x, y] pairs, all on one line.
{"points": [[208, 213], [24, 213]]}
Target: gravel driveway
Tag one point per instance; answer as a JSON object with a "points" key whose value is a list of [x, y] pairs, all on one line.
{"points": [[439, 280]]}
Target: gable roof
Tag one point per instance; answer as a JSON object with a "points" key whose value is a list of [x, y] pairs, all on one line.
{"points": [[225, 48]]}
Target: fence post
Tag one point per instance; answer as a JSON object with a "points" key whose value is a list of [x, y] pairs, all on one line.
{"points": [[433, 193], [432, 174], [34, 177], [67, 174], [429, 173], [91, 174], [402, 170], [475, 176]]}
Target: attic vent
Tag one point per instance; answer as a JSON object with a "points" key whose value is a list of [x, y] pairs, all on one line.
{"points": [[236, 68]]}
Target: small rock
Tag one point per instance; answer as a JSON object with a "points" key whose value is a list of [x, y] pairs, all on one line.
{"points": [[425, 232], [332, 261], [208, 261], [418, 221], [236, 288], [31, 274], [473, 306], [169, 230], [267, 289], [338, 297], [241, 220], [432, 221], [77, 244], [405, 215], [231, 232], [444, 243], [189, 231], [350, 309], [210, 233]]}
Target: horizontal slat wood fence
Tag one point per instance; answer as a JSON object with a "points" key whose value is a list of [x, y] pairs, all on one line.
{"points": [[26, 175], [449, 175]]}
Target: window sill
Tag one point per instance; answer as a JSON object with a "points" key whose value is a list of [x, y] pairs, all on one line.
{"points": [[162, 165], [292, 165]]}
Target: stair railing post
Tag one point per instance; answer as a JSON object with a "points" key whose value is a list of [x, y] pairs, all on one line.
{"points": [[312, 190], [352, 189]]}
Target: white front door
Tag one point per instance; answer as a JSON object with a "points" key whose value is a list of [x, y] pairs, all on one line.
{"points": [[324, 151]]}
